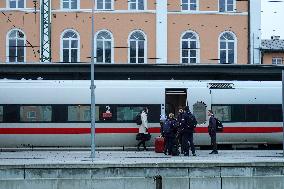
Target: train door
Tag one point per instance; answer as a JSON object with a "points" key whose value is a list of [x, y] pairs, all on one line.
{"points": [[175, 99]]}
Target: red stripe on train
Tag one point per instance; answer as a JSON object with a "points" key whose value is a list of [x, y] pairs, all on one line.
{"points": [[129, 130]]}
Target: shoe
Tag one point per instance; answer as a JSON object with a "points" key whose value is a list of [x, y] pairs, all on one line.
{"points": [[214, 152], [194, 154], [186, 154], [138, 149]]}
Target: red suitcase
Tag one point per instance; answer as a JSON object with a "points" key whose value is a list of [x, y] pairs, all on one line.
{"points": [[159, 144]]}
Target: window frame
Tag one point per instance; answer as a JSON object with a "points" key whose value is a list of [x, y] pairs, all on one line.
{"points": [[188, 6], [137, 5], [112, 47], [8, 46], [61, 46], [227, 49], [62, 8], [145, 48], [104, 5], [277, 60], [17, 4], [226, 6], [197, 46]]}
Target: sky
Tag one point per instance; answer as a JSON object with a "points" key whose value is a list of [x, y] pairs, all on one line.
{"points": [[272, 18]]}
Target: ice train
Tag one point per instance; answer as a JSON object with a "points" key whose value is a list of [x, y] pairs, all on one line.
{"points": [[57, 113]]}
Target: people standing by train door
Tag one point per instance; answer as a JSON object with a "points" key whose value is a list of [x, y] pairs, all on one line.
{"points": [[143, 129], [188, 124], [212, 129]]}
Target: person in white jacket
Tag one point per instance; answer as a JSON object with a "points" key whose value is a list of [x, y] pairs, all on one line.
{"points": [[143, 129]]}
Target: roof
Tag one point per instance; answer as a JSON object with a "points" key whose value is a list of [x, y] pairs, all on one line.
{"points": [[80, 71], [272, 45]]}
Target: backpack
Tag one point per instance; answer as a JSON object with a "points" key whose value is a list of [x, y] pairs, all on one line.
{"points": [[138, 119], [188, 121], [167, 127], [219, 125], [192, 122]]}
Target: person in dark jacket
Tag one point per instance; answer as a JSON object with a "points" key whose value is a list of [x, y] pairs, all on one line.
{"points": [[212, 128], [188, 123], [179, 131], [169, 132]]}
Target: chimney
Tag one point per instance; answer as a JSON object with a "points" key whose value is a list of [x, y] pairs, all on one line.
{"points": [[275, 37]]}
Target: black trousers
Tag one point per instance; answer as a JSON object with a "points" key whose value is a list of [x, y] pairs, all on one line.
{"points": [[169, 143], [142, 142], [213, 141], [187, 138]]}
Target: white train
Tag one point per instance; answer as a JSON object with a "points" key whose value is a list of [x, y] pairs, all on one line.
{"points": [[57, 113]]}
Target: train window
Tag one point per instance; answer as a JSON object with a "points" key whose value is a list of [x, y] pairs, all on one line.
{"points": [[35, 113], [1, 113], [81, 113], [223, 113], [248, 112], [128, 113]]}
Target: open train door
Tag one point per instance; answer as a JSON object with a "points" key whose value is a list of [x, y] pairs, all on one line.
{"points": [[175, 98]]}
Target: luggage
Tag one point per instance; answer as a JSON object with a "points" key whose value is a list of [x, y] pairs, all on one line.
{"points": [[159, 144]]}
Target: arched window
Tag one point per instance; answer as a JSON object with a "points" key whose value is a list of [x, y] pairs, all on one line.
{"points": [[16, 51], [227, 48], [137, 47], [104, 47], [189, 47], [70, 43]]}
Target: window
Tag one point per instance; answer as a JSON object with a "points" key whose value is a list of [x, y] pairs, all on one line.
{"points": [[189, 48], [227, 48], [104, 5], [16, 46], [277, 60], [80, 113], [16, 4], [70, 46], [199, 110], [223, 113], [70, 4], [189, 5], [1, 113], [128, 113], [104, 43], [227, 5], [137, 47], [248, 112], [35, 113], [136, 5]]}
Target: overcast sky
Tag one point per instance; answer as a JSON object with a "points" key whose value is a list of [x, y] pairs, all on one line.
{"points": [[272, 20]]}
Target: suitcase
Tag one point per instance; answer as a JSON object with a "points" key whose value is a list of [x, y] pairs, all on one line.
{"points": [[159, 144]]}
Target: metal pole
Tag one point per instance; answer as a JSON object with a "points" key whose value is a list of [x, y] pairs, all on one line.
{"points": [[93, 107], [283, 106]]}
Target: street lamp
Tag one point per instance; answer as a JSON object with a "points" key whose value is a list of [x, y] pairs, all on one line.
{"points": [[92, 87]]}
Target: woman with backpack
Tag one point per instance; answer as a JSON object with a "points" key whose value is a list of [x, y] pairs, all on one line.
{"points": [[143, 134]]}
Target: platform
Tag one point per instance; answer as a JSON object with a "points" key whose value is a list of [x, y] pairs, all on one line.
{"points": [[141, 170]]}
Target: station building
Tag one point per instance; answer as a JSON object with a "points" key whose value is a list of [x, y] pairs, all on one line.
{"points": [[272, 50], [131, 31]]}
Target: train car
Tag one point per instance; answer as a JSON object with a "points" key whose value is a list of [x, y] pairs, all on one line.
{"points": [[57, 113]]}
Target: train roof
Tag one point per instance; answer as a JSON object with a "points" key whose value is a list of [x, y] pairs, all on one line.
{"points": [[6, 83]]}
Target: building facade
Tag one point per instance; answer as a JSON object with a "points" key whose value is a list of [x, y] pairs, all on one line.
{"points": [[272, 51], [131, 31]]}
